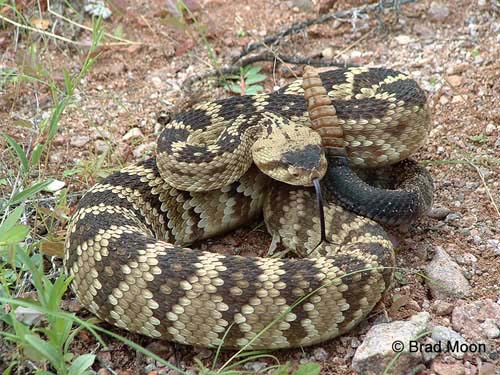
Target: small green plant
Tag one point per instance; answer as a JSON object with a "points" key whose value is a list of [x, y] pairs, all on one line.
{"points": [[480, 138], [245, 83], [400, 278], [39, 332]]}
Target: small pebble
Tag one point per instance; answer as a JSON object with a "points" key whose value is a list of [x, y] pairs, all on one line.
{"points": [[403, 39], [143, 149], [477, 240], [438, 11], [491, 328], [490, 129], [452, 217], [79, 141], [455, 80], [100, 146], [495, 245], [255, 366], [439, 213], [133, 133], [442, 307], [320, 354]]}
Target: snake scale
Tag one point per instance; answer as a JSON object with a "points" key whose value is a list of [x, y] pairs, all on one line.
{"points": [[222, 165]]}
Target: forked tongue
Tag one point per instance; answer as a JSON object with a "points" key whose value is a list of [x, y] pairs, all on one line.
{"points": [[319, 200]]}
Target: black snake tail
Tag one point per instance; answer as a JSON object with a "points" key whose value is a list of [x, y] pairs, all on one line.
{"points": [[402, 205]]}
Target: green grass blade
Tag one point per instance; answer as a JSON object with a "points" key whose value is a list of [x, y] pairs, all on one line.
{"points": [[19, 152], [32, 190]]}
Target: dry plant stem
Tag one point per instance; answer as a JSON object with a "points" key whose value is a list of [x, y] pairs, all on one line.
{"points": [[486, 188], [344, 14], [111, 36], [266, 56], [353, 44], [46, 33], [59, 37]]}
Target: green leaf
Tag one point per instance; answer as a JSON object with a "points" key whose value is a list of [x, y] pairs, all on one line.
{"points": [[37, 153], [253, 70], [19, 152], [46, 350], [10, 231], [9, 369], [81, 364], [70, 172], [68, 83], [400, 277], [253, 90], [28, 192], [233, 87], [284, 369], [14, 235], [12, 219], [255, 78], [308, 369]]}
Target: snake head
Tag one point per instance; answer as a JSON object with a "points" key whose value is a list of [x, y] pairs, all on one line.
{"points": [[290, 153]]}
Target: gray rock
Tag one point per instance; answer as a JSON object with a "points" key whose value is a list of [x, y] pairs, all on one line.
{"points": [[143, 149], [477, 240], [438, 213], [303, 4], [491, 328], [495, 245], [320, 354], [445, 276], [383, 341], [100, 146], [133, 133], [438, 11], [79, 141], [452, 217], [448, 338], [468, 317], [466, 258], [255, 366], [490, 129], [442, 307], [429, 355]]}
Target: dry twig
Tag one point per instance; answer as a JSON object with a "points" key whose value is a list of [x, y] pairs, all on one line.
{"points": [[269, 41], [343, 14]]}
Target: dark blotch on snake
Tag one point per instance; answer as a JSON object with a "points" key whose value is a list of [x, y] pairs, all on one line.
{"points": [[307, 158]]}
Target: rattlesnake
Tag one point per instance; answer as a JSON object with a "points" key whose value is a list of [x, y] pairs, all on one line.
{"points": [[124, 243]]}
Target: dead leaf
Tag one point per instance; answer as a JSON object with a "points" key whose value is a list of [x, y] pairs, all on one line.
{"points": [[27, 315], [52, 248], [40, 23]]}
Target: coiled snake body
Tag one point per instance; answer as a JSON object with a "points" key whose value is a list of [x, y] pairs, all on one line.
{"points": [[124, 243]]}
